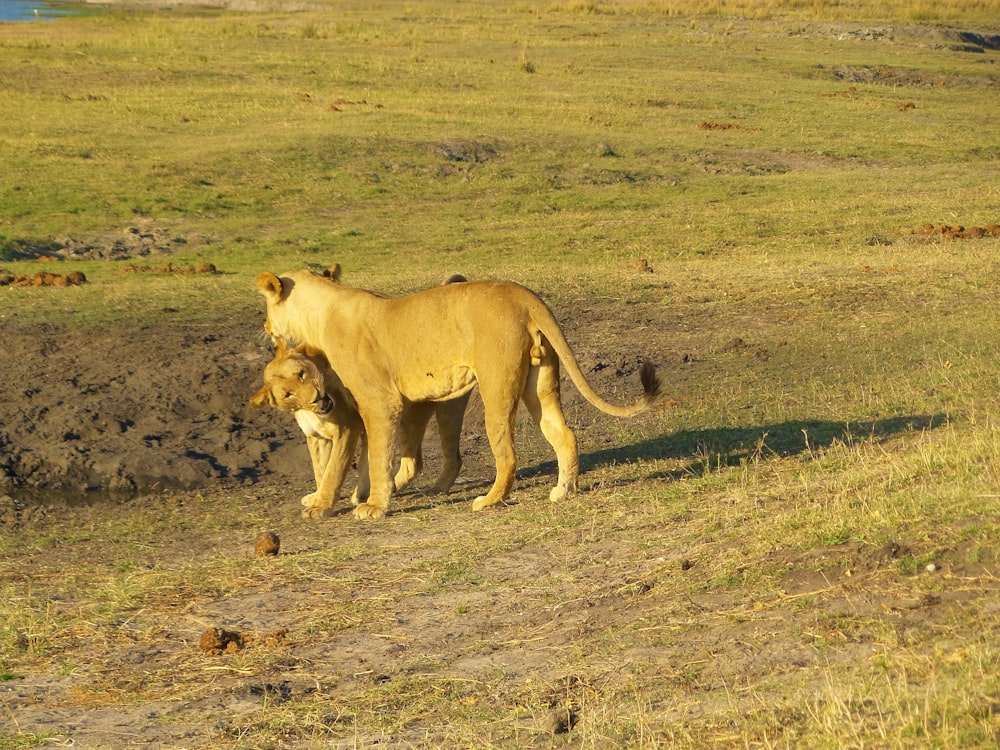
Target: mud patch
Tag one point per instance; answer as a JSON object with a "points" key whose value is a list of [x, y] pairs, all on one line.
{"points": [[470, 152], [887, 75], [135, 409], [973, 42], [169, 268], [724, 126], [138, 240]]}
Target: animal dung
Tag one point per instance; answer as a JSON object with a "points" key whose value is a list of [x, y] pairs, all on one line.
{"points": [[959, 232], [43, 278], [216, 641], [267, 544], [169, 268]]}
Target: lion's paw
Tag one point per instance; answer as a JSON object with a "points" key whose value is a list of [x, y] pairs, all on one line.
{"points": [[366, 510], [313, 500], [482, 502], [558, 494], [317, 511]]}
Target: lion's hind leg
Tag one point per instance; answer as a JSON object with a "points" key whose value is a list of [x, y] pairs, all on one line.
{"points": [[500, 399], [541, 397], [450, 415], [412, 426]]}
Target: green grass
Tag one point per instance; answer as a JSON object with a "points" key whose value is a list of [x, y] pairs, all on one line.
{"points": [[846, 396], [285, 144]]}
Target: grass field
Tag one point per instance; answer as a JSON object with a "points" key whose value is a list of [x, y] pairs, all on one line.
{"points": [[801, 552]]}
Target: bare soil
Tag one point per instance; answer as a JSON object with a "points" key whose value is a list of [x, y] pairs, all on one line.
{"points": [[149, 423], [138, 410], [555, 625]]}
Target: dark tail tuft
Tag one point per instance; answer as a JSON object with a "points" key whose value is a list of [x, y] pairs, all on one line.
{"points": [[650, 380]]}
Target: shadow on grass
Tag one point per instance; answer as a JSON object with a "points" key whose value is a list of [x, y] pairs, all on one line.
{"points": [[712, 449]]}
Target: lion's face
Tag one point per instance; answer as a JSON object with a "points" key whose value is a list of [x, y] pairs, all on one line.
{"points": [[293, 382]]}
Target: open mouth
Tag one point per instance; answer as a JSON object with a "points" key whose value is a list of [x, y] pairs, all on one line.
{"points": [[324, 405]]}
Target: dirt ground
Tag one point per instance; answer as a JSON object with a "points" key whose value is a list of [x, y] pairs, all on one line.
{"points": [[164, 407], [106, 415], [191, 471], [153, 424]]}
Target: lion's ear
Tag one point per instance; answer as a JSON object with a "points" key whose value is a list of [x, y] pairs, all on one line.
{"points": [[333, 272], [262, 398], [310, 351], [269, 285], [316, 355], [280, 348]]}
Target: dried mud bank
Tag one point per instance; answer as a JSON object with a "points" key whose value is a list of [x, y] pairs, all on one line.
{"points": [[124, 409], [128, 411]]}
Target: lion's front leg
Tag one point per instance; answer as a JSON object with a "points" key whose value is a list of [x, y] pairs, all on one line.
{"points": [[380, 430], [341, 447], [317, 504], [319, 454], [363, 490]]}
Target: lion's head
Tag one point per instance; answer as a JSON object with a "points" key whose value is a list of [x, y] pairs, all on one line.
{"points": [[293, 381]]}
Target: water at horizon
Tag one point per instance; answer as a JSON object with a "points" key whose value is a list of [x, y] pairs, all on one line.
{"points": [[24, 10]]}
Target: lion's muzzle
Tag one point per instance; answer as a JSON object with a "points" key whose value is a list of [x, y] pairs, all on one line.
{"points": [[323, 406]]}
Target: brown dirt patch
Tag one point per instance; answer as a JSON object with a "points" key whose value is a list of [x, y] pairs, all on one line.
{"points": [[161, 407], [887, 75], [556, 619], [139, 240]]}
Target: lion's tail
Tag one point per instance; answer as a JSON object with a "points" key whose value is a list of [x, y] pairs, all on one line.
{"points": [[651, 386]]}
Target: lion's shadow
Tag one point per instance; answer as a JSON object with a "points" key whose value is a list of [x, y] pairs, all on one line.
{"points": [[711, 449], [702, 451]]}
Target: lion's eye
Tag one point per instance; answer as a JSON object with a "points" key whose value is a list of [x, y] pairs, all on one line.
{"points": [[302, 374], [288, 395]]}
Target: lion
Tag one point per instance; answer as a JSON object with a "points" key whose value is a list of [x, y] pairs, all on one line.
{"points": [[300, 380], [436, 345]]}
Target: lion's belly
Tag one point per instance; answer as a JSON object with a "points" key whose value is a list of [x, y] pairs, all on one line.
{"points": [[437, 384]]}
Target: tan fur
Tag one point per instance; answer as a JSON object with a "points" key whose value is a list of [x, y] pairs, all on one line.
{"points": [[435, 345], [300, 381]]}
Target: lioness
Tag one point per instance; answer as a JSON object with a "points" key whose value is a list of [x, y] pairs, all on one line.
{"points": [[435, 345], [300, 380]]}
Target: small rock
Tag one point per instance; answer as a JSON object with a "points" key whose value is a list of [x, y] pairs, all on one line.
{"points": [[642, 266], [21, 642], [560, 721]]}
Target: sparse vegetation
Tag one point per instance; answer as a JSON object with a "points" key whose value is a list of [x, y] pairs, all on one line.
{"points": [[802, 552]]}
